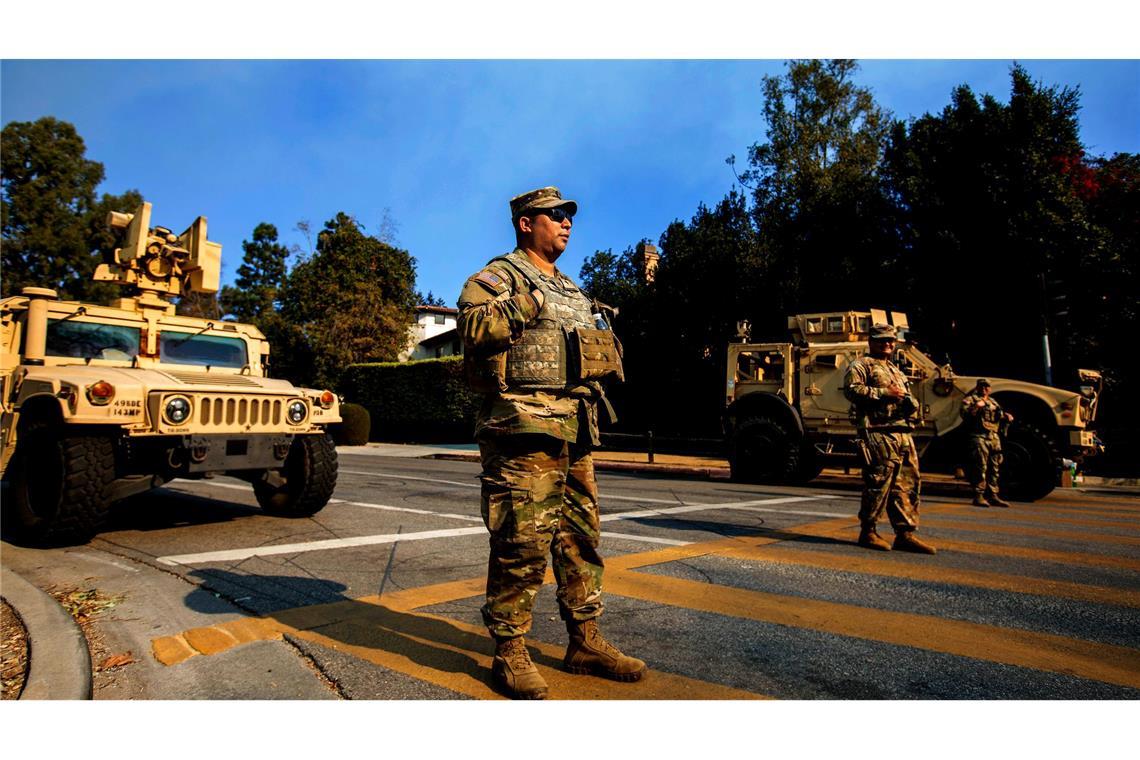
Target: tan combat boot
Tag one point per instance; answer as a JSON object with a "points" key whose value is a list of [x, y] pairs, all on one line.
{"points": [[513, 671], [870, 538], [590, 653], [979, 501], [997, 501], [906, 541]]}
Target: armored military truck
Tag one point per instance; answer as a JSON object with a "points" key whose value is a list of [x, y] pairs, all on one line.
{"points": [[786, 416], [104, 402]]}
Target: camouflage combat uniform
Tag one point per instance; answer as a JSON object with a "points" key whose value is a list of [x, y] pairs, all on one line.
{"points": [[985, 443], [891, 481], [534, 432]]}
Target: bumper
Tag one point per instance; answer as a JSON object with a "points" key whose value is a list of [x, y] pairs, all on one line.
{"points": [[1085, 443]]}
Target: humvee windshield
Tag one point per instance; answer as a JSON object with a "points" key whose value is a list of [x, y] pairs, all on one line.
{"points": [[91, 340], [203, 350]]}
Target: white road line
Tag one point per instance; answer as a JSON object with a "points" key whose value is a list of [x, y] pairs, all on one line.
{"points": [[476, 485], [312, 546], [449, 515], [650, 539], [338, 543]]}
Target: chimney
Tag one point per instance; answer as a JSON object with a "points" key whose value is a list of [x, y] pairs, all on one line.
{"points": [[646, 259]]}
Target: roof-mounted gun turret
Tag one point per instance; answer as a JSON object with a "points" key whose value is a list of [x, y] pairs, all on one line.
{"points": [[154, 264]]}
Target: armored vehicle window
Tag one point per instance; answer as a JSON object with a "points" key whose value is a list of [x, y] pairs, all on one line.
{"points": [[814, 325], [205, 350], [835, 324], [760, 366], [91, 340], [864, 324]]}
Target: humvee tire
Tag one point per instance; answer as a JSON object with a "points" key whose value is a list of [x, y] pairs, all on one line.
{"points": [[763, 451], [60, 486], [1030, 465], [310, 479]]}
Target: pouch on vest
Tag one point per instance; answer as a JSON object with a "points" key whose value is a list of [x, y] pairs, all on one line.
{"points": [[486, 374], [596, 353]]}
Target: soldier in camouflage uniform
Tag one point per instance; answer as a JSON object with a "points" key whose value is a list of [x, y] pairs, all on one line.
{"points": [[883, 407], [983, 416], [537, 348]]}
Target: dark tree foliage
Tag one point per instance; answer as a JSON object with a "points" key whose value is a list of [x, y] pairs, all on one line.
{"points": [[818, 205], [675, 329], [259, 278], [54, 225], [982, 192], [430, 299], [987, 223], [352, 301]]}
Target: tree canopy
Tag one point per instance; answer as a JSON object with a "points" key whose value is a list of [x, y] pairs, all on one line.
{"points": [[352, 301], [987, 222], [54, 224]]}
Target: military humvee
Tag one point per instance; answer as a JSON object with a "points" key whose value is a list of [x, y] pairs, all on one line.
{"points": [[786, 415], [104, 402]]}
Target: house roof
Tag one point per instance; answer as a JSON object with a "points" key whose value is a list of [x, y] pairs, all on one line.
{"points": [[425, 309]]}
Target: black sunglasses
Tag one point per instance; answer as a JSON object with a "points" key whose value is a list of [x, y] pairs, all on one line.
{"points": [[558, 215]]}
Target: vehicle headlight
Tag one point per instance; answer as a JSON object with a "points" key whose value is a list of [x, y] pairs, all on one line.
{"points": [[177, 410], [297, 412]]}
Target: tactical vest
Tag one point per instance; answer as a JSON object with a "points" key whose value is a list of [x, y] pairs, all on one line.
{"points": [[560, 348], [885, 413], [987, 421]]}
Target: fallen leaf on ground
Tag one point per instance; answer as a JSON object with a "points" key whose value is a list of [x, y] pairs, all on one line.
{"points": [[117, 660]]}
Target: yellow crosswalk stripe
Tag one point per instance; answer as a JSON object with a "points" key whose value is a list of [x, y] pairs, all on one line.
{"points": [[879, 564], [1027, 649]]}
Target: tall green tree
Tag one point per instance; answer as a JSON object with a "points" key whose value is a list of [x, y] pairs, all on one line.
{"points": [[54, 224], [259, 278], [993, 226], [675, 329], [352, 301], [817, 201]]}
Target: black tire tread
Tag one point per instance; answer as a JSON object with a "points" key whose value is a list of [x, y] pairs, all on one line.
{"points": [[1042, 488], [310, 480], [787, 463], [88, 470]]}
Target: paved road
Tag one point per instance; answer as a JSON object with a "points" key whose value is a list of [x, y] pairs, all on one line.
{"points": [[727, 591]]}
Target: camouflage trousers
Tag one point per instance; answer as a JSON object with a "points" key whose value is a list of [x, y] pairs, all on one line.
{"points": [[891, 482], [985, 464], [539, 497]]}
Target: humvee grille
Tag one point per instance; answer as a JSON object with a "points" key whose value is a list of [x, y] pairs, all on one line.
{"points": [[222, 411]]}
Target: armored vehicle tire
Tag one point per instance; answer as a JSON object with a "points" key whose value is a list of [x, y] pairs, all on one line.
{"points": [[60, 486], [763, 451], [310, 479], [1030, 463], [810, 464]]}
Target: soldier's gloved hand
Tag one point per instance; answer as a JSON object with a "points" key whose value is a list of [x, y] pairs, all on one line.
{"points": [[895, 392]]}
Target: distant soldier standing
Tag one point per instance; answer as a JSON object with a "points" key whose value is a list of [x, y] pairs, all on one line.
{"points": [[883, 407], [983, 416], [534, 344]]}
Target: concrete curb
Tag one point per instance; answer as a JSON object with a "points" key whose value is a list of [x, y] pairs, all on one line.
{"points": [[59, 664]]}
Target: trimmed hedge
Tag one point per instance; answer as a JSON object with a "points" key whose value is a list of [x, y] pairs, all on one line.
{"points": [[354, 428], [426, 401]]}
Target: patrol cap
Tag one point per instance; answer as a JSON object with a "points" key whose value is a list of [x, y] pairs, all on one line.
{"points": [[884, 332], [543, 197], [982, 382]]}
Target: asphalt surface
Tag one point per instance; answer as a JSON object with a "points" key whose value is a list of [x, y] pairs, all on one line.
{"points": [[728, 591]]}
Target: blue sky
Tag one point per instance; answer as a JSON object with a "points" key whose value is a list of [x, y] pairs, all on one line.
{"points": [[444, 144]]}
